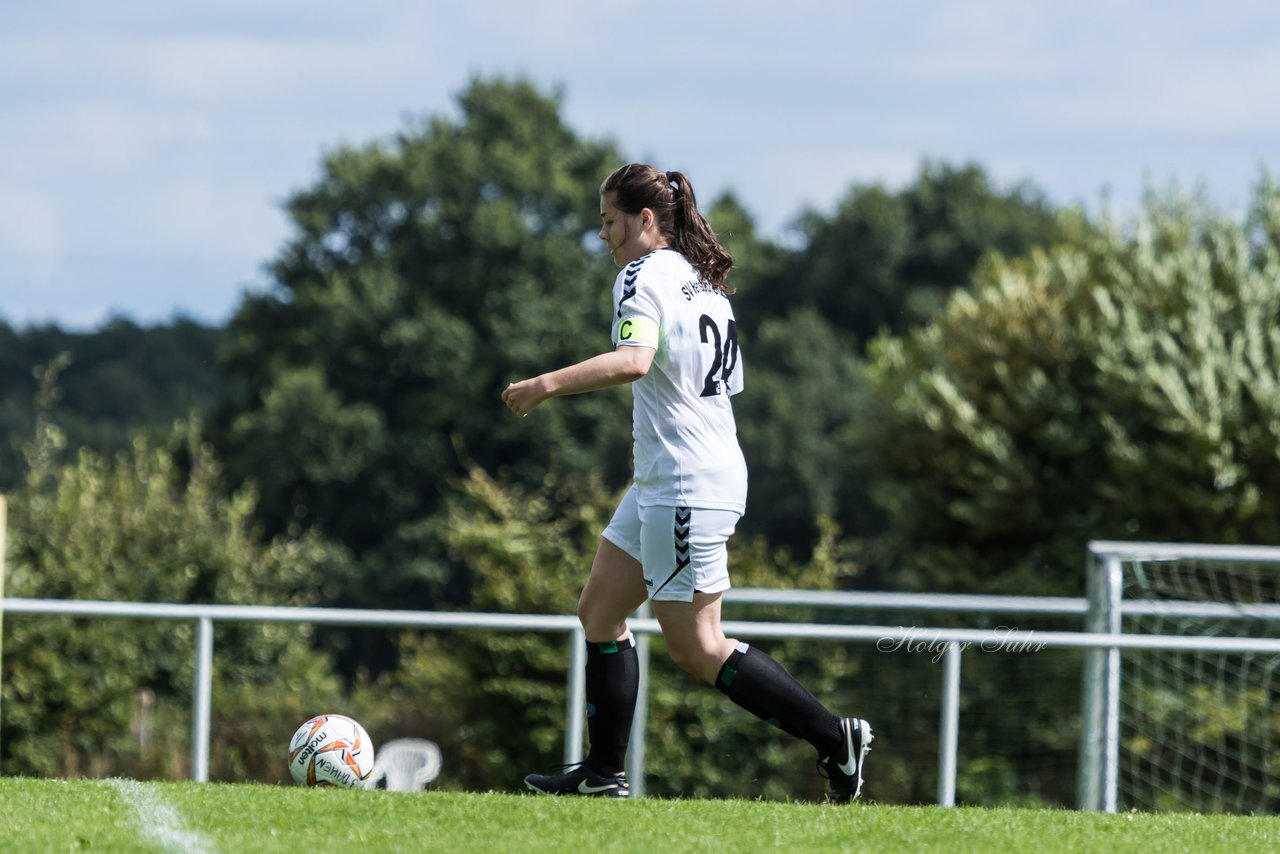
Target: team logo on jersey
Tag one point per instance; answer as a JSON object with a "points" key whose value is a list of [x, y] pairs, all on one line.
{"points": [[689, 289]]}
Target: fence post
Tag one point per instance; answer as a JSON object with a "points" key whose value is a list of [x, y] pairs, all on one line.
{"points": [[1100, 694], [202, 701], [577, 700], [635, 749], [950, 726]]}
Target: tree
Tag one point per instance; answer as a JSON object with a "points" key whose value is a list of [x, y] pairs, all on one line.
{"points": [[427, 271], [883, 261], [1121, 385], [119, 380], [886, 261], [795, 413], [796, 420], [150, 524]]}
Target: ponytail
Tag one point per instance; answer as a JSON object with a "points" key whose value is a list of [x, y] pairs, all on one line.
{"points": [[670, 196]]}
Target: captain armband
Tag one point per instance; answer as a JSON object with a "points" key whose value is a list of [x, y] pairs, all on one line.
{"points": [[637, 329]]}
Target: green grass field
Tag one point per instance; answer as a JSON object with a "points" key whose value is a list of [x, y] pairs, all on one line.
{"points": [[117, 815]]}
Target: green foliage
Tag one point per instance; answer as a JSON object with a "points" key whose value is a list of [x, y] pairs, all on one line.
{"points": [[495, 701], [1050, 382], [151, 524], [796, 423], [884, 261], [116, 381], [427, 272], [1121, 386]]}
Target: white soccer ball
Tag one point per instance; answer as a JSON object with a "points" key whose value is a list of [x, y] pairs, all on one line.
{"points": [[331, 750]]}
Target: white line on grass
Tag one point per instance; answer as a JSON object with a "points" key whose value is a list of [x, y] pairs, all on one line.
{"points": [[158, 820]]}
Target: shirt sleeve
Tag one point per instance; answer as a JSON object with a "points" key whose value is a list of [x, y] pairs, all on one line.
{"points": [[638, 313]]}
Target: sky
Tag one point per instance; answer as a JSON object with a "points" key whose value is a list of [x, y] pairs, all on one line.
{"points": [[147, 146]]}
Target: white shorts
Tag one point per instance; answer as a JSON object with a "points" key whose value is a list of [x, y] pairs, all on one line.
{"points": [[682, 550]]}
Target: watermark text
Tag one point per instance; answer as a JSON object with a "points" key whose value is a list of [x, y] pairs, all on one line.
{"points": [[931, 642]]}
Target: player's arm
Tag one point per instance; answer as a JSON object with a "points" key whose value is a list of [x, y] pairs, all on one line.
{"points": [[625, 364]]}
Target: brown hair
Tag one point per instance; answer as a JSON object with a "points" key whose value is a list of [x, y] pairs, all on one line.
{"points": [[669, 195]]}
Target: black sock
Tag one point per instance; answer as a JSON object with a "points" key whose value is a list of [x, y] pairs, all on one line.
{"points": [[763, 687], [613, 680]]}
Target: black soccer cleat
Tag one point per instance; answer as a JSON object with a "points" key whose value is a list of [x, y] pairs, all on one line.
{"points": [[579, 779], [844, 767]]}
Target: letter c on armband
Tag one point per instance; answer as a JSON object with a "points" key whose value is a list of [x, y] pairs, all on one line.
{"points": [[638, 329]]}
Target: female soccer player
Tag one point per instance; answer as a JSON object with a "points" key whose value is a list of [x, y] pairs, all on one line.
{"points": [[676, 341]]}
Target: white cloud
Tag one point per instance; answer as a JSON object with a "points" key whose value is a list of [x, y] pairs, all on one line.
{"points": [[142, 132], [95, 135], [29, 230], [1201, 96], [236, 69]]}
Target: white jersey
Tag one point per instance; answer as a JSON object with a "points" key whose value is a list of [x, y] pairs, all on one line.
{"points": [[686, 441]]}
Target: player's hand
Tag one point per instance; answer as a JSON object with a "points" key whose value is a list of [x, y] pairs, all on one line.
{"points": [[523, 397]]}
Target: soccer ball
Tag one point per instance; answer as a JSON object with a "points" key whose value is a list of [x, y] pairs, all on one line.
{"points": [[331, 750]]}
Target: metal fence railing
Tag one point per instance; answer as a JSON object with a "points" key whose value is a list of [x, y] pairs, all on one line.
{"points": [[955, 640]]}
